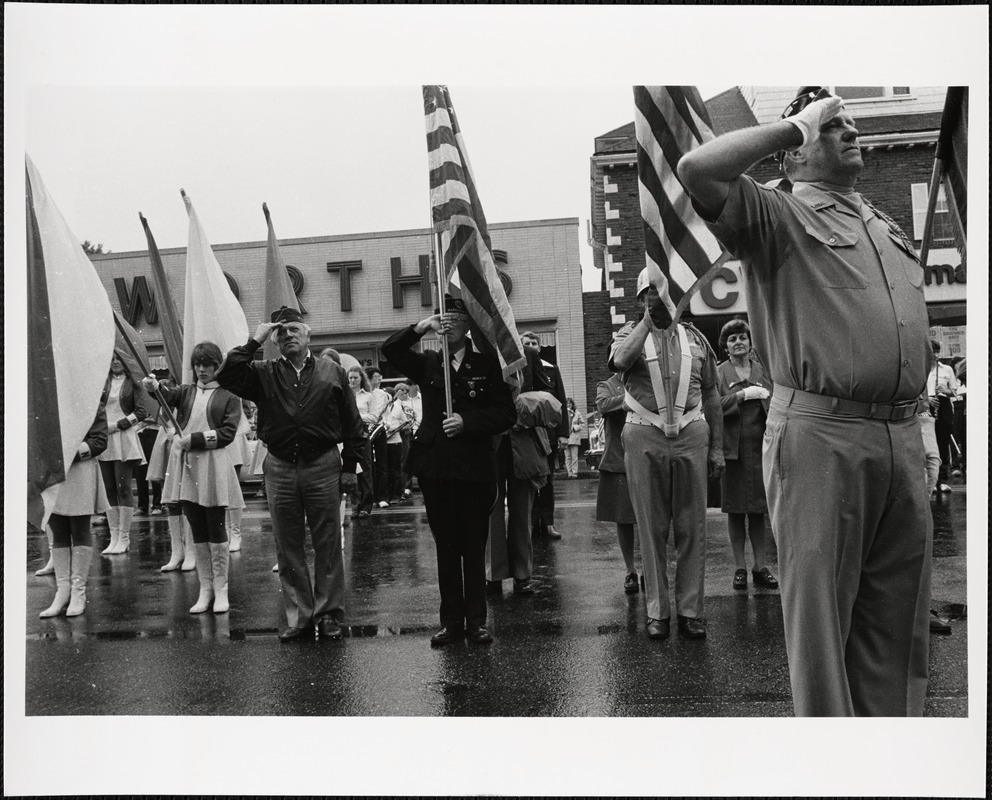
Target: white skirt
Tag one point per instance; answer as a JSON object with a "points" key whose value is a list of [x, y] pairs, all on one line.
{"points": [[204, 477], [258, 458], [123, 446], [83, 492], [240, 450], [158, 461]]}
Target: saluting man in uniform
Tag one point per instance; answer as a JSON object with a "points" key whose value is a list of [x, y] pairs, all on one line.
{"points": [[667, 463], [835, 294], [455, 462]]}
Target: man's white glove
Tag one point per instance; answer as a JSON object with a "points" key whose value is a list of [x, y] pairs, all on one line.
{"points": [[814, 116], [755, 393]]}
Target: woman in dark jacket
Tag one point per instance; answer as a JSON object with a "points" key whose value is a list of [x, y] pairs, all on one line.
{"points": [[744, 391], [80, 496], [201, 475], [126, 407], [613, 500]]}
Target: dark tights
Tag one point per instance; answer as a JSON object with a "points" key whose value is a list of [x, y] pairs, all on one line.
{"points": [[206, 522], [70, 531], [117, 481]]}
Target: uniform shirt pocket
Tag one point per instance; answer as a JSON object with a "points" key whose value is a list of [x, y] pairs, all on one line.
{"points": [[911, 263], [834, 252]]}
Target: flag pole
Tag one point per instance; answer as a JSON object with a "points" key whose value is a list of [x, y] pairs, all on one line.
{"points": [[145, 368], [445, 355], [931, 211]]}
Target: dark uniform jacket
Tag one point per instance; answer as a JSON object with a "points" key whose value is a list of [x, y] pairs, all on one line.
{"points": [[300, 417], [96, 438], [729, 383], [478, 393], [223, 415], [134, 401]]}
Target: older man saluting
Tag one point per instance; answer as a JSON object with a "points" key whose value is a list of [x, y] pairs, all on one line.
{"points": [[305, 409], [672, 440], [835, 296]]}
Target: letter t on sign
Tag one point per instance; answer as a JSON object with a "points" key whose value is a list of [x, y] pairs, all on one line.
{"points": [[345, 268]]}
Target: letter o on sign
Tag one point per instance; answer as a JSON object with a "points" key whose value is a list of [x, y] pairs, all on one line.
{"points": [[506, 281], [296, 278]]}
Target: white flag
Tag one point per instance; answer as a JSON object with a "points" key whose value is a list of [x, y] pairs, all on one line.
{"points": [[211, 311]]}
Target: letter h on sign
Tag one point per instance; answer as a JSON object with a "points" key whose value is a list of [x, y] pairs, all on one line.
{"points": [[423, 279]]}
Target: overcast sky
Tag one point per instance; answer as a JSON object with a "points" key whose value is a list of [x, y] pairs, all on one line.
{"points": [[317, 111], [327, 160]]}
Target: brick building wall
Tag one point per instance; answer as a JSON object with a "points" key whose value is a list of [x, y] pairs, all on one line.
{"points": [[598, 338]]}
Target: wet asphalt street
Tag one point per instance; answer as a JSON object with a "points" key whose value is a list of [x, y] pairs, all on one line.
{"points": [[576, 648]]}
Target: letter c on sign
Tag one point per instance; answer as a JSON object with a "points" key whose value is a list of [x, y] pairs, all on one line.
{"points": [[720, 302]]}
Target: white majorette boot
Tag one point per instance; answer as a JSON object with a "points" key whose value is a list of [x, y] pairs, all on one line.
{"points": [[234, 529], [60, 558], [113, 522], [124, 530], [49, 567], [189, 551], [220, 560], [176, 540], [204, 570], [78, 575]]}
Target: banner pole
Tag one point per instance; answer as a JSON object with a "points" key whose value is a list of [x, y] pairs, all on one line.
{"points": [[445, 355], [147, 370]]}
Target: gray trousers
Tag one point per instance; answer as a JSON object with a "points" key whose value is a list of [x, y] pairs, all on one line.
{"points": [[667, 480], [852, 523], [509, 552], [301, 495]]}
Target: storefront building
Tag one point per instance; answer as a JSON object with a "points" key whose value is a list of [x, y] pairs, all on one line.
{"points": [[356, 290], [898, 127]]}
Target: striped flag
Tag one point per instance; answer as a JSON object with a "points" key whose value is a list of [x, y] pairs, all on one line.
{"points": [[172, 324], [278, 287], [71, 341], [211, 312], [952, 152], [469, 267], [670, 121]]}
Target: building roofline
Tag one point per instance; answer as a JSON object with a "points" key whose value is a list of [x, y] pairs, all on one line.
{"points": [[344, 237]]}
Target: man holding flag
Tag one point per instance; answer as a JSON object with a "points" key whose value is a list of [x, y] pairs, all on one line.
{"points": [[453, 458], [667, 462], [835, 294]]}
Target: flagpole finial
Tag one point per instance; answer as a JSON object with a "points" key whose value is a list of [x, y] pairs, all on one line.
{"points": [[142, 218], [183, 193], [265, 209]]}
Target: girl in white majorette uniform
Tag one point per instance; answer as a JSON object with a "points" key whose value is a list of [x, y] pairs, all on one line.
{"points": [[200, 474]]}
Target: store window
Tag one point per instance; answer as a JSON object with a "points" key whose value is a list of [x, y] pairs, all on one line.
{"points": [[943, 231]]}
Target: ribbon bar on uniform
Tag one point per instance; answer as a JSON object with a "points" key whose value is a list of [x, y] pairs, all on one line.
{"points": [[850, 408]]}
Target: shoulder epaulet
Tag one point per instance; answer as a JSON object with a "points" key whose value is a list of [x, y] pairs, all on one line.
{"points": [[703, 341]]}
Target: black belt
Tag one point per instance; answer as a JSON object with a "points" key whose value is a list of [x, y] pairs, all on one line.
{"points": [[850, 408]]}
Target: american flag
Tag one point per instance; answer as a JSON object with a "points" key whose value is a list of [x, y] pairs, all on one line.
{"points": [[466, 250], [278, 286], [951, 167], [669, 122]]}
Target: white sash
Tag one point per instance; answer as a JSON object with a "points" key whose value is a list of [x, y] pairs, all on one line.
{"points": [[658, 386]]}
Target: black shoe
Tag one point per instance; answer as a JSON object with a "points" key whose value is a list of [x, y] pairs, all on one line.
{"points": [[630, 583], [446, 636], [494, 587], [552, 533], [329, 628], [660, 628], [938, 624], [292, 634], [479, 635], [691, 627], [740, 579], [522, 586], [764, 577]]}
